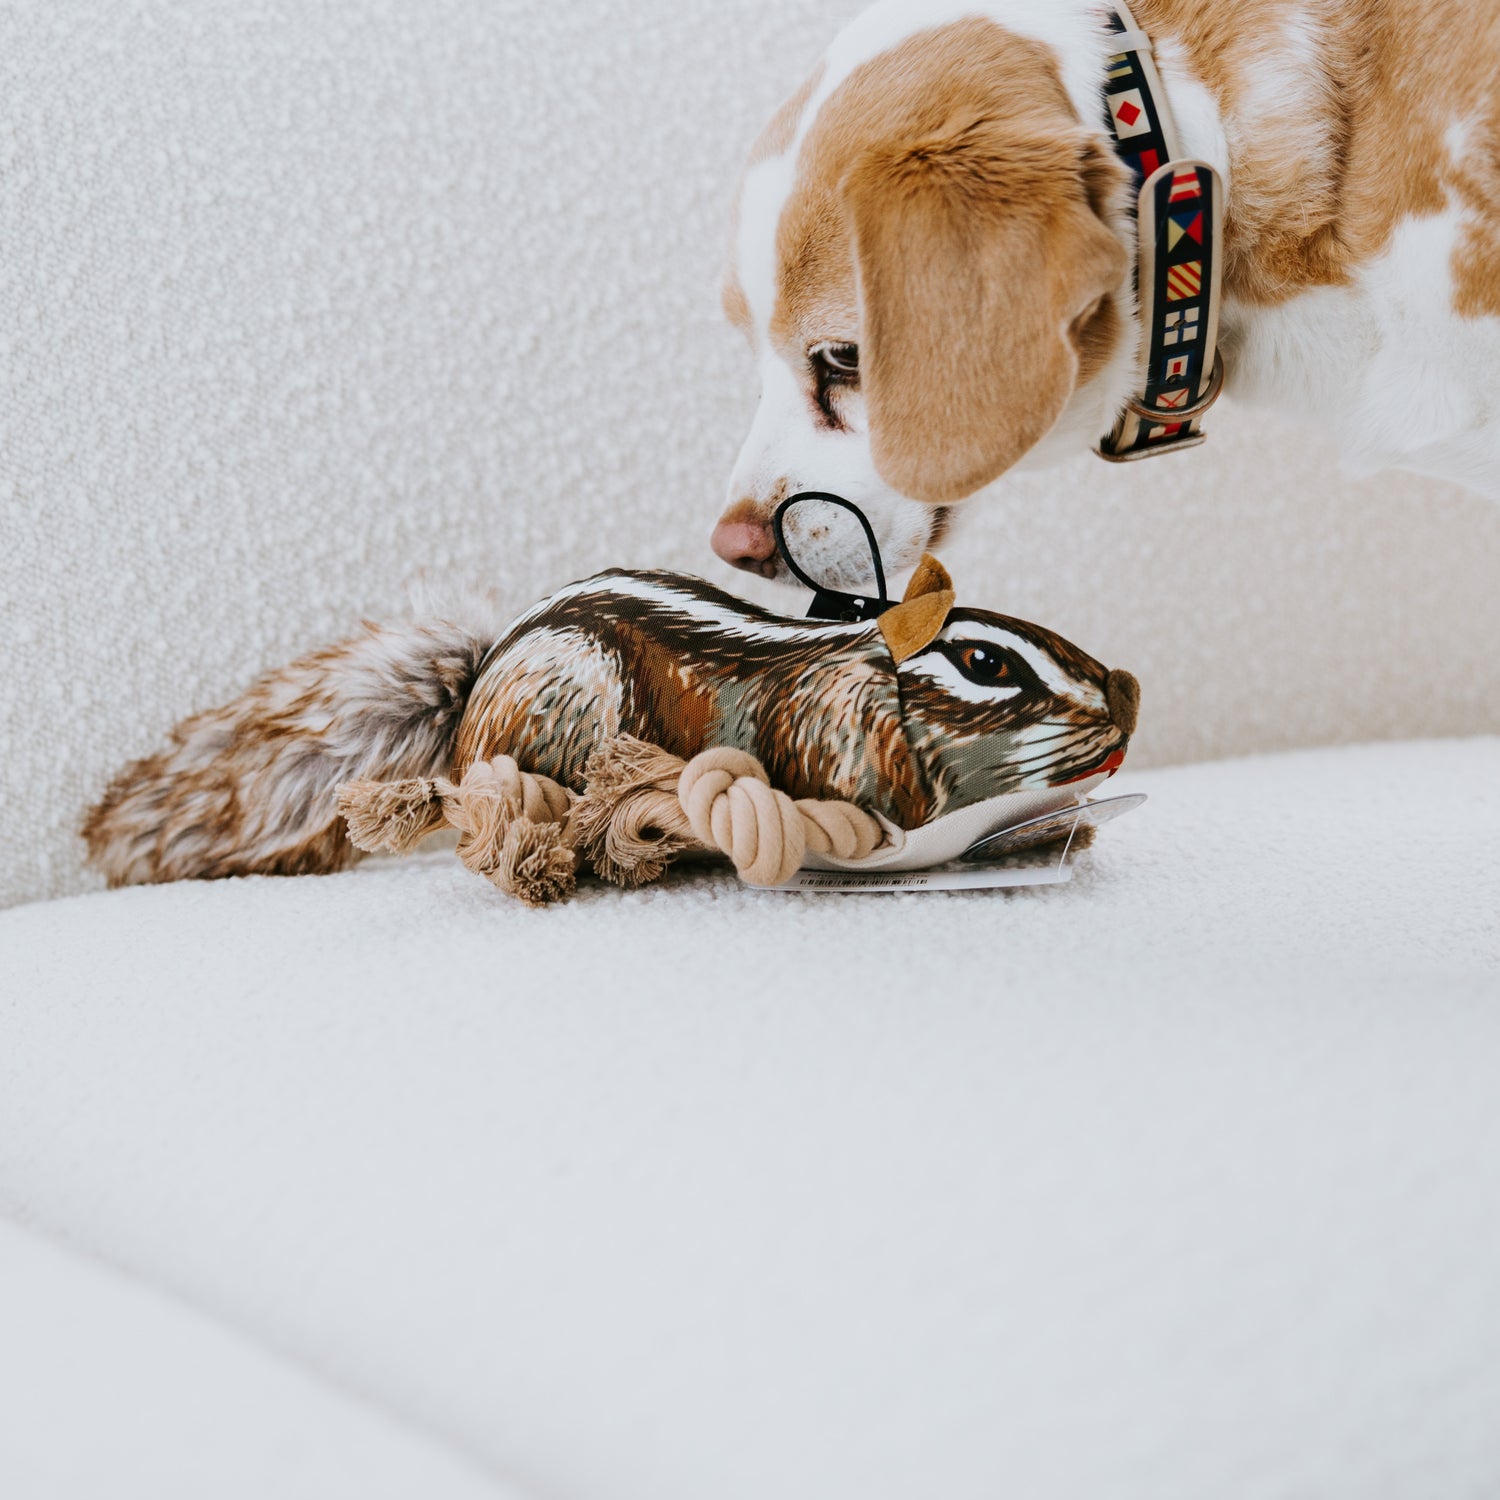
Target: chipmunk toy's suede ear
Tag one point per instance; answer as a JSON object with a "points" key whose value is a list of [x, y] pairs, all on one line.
{"points": [[931, 577], [914, 623]]}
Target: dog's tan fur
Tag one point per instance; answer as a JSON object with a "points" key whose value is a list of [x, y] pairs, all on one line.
{"points": [[1361, 143], [916, 195], [773, 140], [946, 202]]}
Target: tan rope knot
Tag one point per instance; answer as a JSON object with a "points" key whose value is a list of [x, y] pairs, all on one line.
{"points": [[511, 824], [642, 808], [499, 790], [840, 829], [731, 806], [510, 829]]}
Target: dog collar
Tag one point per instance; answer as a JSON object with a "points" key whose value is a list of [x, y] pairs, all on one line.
{"points": [[1179, 203]]}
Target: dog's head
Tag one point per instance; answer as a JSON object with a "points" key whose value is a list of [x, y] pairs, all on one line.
{"points": [[929, 263]]}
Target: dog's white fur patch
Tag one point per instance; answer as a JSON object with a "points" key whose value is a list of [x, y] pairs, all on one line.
{"points": [[1200, 126], [1401, 380]]}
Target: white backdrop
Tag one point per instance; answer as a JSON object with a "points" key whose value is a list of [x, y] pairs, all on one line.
{"points": [[302, 302]]}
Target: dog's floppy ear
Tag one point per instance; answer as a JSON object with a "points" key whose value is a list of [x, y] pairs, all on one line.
{"points": [[978, 252]]}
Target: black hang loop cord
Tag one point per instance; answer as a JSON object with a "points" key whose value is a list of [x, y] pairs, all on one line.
{"points": [[830, 604]]}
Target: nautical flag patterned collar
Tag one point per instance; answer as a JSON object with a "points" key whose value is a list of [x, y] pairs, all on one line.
{"points": [[1179, 222]]}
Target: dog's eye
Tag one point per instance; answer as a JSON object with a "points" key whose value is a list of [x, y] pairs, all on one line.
{"points": [[836, 362], [987, 665]]}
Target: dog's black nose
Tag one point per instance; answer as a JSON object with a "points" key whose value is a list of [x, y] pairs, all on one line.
{"points": [[1123, 693]]}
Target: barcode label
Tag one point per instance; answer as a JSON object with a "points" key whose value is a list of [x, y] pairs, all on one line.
{"points": [[973, 878]]}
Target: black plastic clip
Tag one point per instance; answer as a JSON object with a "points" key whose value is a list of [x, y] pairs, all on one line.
{"points": [[832, 604]]}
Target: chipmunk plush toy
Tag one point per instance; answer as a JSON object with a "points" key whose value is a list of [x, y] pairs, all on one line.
{"points": [[622, 721]]}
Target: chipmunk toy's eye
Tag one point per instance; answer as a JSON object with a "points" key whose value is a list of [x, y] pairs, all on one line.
{"points": [[988, 665]]}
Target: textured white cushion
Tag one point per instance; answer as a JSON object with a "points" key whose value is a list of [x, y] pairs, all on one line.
{"points": [[303, 304], [1178, 1181], [110, 1390]]}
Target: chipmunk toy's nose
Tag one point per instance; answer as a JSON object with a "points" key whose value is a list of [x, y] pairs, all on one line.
{"points": [[745, 541], [1123, 694]]}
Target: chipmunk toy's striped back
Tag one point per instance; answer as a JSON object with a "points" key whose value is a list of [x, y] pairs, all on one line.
{"points": [[924, 710]]}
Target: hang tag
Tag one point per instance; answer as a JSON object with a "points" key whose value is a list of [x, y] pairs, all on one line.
{"points": [[1050, 827], [992, 863]]}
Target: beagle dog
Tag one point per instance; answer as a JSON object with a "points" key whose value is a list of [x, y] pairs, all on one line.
{"points": [[933, 242]]}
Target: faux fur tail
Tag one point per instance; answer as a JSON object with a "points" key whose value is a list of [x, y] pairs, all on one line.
{"points": [[250, 788]]}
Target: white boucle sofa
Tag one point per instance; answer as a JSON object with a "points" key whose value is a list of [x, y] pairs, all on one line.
{"points": [[1179, 1180]]}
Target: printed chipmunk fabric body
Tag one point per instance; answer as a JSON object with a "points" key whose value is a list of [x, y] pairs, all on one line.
{"points": [[676, 662], [992, 706]]}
